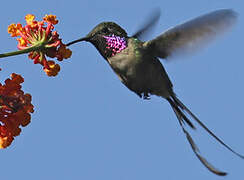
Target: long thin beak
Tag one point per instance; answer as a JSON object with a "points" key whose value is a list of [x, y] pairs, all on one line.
{"points": [[78, 40]]}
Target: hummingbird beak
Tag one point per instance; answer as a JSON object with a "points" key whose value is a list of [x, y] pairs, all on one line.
{"points": [[78, 40]]}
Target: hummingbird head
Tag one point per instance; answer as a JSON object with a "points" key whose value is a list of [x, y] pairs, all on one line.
{"points": [[108, 37]]}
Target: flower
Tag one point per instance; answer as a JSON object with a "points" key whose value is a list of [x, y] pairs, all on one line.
{"points": [[53, 68], [51, 18], [39, 40], [15, 109]]}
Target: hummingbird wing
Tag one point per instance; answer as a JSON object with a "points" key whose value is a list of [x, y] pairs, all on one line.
{"points": [[191, 35], [148, 26]]}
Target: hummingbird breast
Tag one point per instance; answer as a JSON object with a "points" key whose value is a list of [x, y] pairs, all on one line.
{"points": [[140, 71]]}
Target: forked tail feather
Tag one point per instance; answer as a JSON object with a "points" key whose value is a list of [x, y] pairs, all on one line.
{"points": [[181, 112]]}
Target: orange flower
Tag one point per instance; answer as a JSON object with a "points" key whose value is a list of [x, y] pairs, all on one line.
{"points": [[21, 41], [39, 40], [5, 142], [64, 53], [29, 19], [15, 109], [12, 30], [51, 19], [53, 69], [15, 30]]}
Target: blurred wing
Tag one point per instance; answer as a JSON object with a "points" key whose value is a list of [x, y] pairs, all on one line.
{"points": [[189, 36], [148, 26]]}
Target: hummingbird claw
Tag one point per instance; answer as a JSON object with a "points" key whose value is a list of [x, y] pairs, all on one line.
{"points": [[146, 96]]}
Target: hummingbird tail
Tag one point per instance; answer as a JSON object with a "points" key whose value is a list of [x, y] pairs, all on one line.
{"points": [[181, 112]]}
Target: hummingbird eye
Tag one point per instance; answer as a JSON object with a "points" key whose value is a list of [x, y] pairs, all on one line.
{"points": [[105, 30]]}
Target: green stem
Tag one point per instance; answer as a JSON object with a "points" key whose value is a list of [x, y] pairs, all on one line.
{"points": [[14, 53]]}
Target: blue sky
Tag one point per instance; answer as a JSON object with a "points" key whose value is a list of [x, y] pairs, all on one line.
{"points": [[87, 125]]}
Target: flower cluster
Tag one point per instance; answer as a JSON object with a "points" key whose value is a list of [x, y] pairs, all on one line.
{"points": [[15, 109], [39, 40]]}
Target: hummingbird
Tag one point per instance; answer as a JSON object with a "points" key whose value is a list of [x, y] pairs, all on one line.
{"points": [[137, 65]]}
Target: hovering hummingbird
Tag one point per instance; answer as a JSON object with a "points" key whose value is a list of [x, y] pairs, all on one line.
{"points": [[137, 64]]}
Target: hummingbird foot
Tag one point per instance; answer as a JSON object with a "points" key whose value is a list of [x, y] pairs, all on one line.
{"points": [[146, 96]]}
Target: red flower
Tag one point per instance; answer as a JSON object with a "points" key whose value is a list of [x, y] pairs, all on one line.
{"points": [[15, 109]]}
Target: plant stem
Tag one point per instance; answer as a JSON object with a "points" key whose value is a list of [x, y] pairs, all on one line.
{"points": [[14, 53]]}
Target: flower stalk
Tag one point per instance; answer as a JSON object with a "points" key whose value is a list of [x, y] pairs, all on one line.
{"points": [[23, 51]]}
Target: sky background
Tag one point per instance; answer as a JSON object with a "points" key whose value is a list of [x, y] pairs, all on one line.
{"points": [[89, 126]]}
